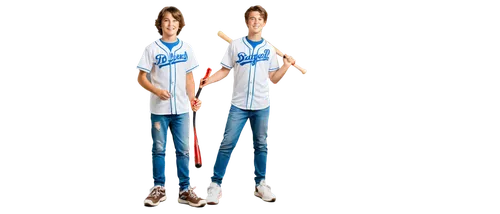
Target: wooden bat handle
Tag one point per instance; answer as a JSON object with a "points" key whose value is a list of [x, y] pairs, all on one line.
{"points": [[300, 69], [296, 66]]}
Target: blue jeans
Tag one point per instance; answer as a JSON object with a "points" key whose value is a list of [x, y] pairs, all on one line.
{"points": [[179, 127], [235, 123]]}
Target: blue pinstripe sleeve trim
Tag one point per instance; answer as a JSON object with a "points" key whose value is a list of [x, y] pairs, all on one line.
{"points": [[141, 68], [273, 69], [191, 69], [227, 66]]}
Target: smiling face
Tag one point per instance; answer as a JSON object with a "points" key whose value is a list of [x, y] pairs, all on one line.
{"points": [[255, 18], [169, 25], [169, 22], [255, 22]]}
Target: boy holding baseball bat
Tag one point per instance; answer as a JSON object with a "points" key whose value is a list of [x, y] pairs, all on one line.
{"points": [[254, 62], [170, 61]]}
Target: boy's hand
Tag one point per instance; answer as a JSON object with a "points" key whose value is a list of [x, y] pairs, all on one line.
{"points": [[197, 104], [163, 94], [204, 82], [288, 60]]}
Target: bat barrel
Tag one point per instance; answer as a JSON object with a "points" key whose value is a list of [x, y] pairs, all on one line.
{"points": [[197, 153], [224, 36]]}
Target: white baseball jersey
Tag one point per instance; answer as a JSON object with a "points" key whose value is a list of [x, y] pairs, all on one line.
{"points": [[251, 72], [168, 69]]}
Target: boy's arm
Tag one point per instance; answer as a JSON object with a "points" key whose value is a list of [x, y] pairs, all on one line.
{"points": [[277, 76], [143, 82], [190, 86], [217, 76]]}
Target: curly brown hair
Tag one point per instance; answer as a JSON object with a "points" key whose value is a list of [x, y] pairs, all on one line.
{"points": [[176, 13]]}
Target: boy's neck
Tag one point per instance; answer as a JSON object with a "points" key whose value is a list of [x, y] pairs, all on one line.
{"points": [[166, 38], [255, 37]]}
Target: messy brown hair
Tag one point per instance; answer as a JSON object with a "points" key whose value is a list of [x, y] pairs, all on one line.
{"points": [[258, 8], [176, 13]]}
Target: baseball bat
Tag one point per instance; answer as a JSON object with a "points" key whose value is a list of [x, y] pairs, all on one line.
{"points": [[225, 37], [198, 153]]}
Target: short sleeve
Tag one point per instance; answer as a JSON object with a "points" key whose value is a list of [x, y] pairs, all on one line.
{"points": [[192, 63], [228, 60], [273, 61], [146, 62]]}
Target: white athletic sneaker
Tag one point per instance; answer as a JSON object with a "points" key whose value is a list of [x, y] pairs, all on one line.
{"points": [[264, 191], [214, 193]]}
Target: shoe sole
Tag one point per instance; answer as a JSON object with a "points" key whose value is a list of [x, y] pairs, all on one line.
{"points": [[149, 203], [268, 202], [201, 203], [215, 203]]}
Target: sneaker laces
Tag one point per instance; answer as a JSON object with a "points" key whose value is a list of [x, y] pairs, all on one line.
{"points": [[155, 191], [191, 193], [268, 187], [211, 190]]}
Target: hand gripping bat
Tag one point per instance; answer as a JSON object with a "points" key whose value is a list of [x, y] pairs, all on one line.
{"points": [[198, 153]]}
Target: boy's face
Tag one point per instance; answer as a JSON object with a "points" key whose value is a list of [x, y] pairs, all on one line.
{"points": [[255, 22], [169, 25]]}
